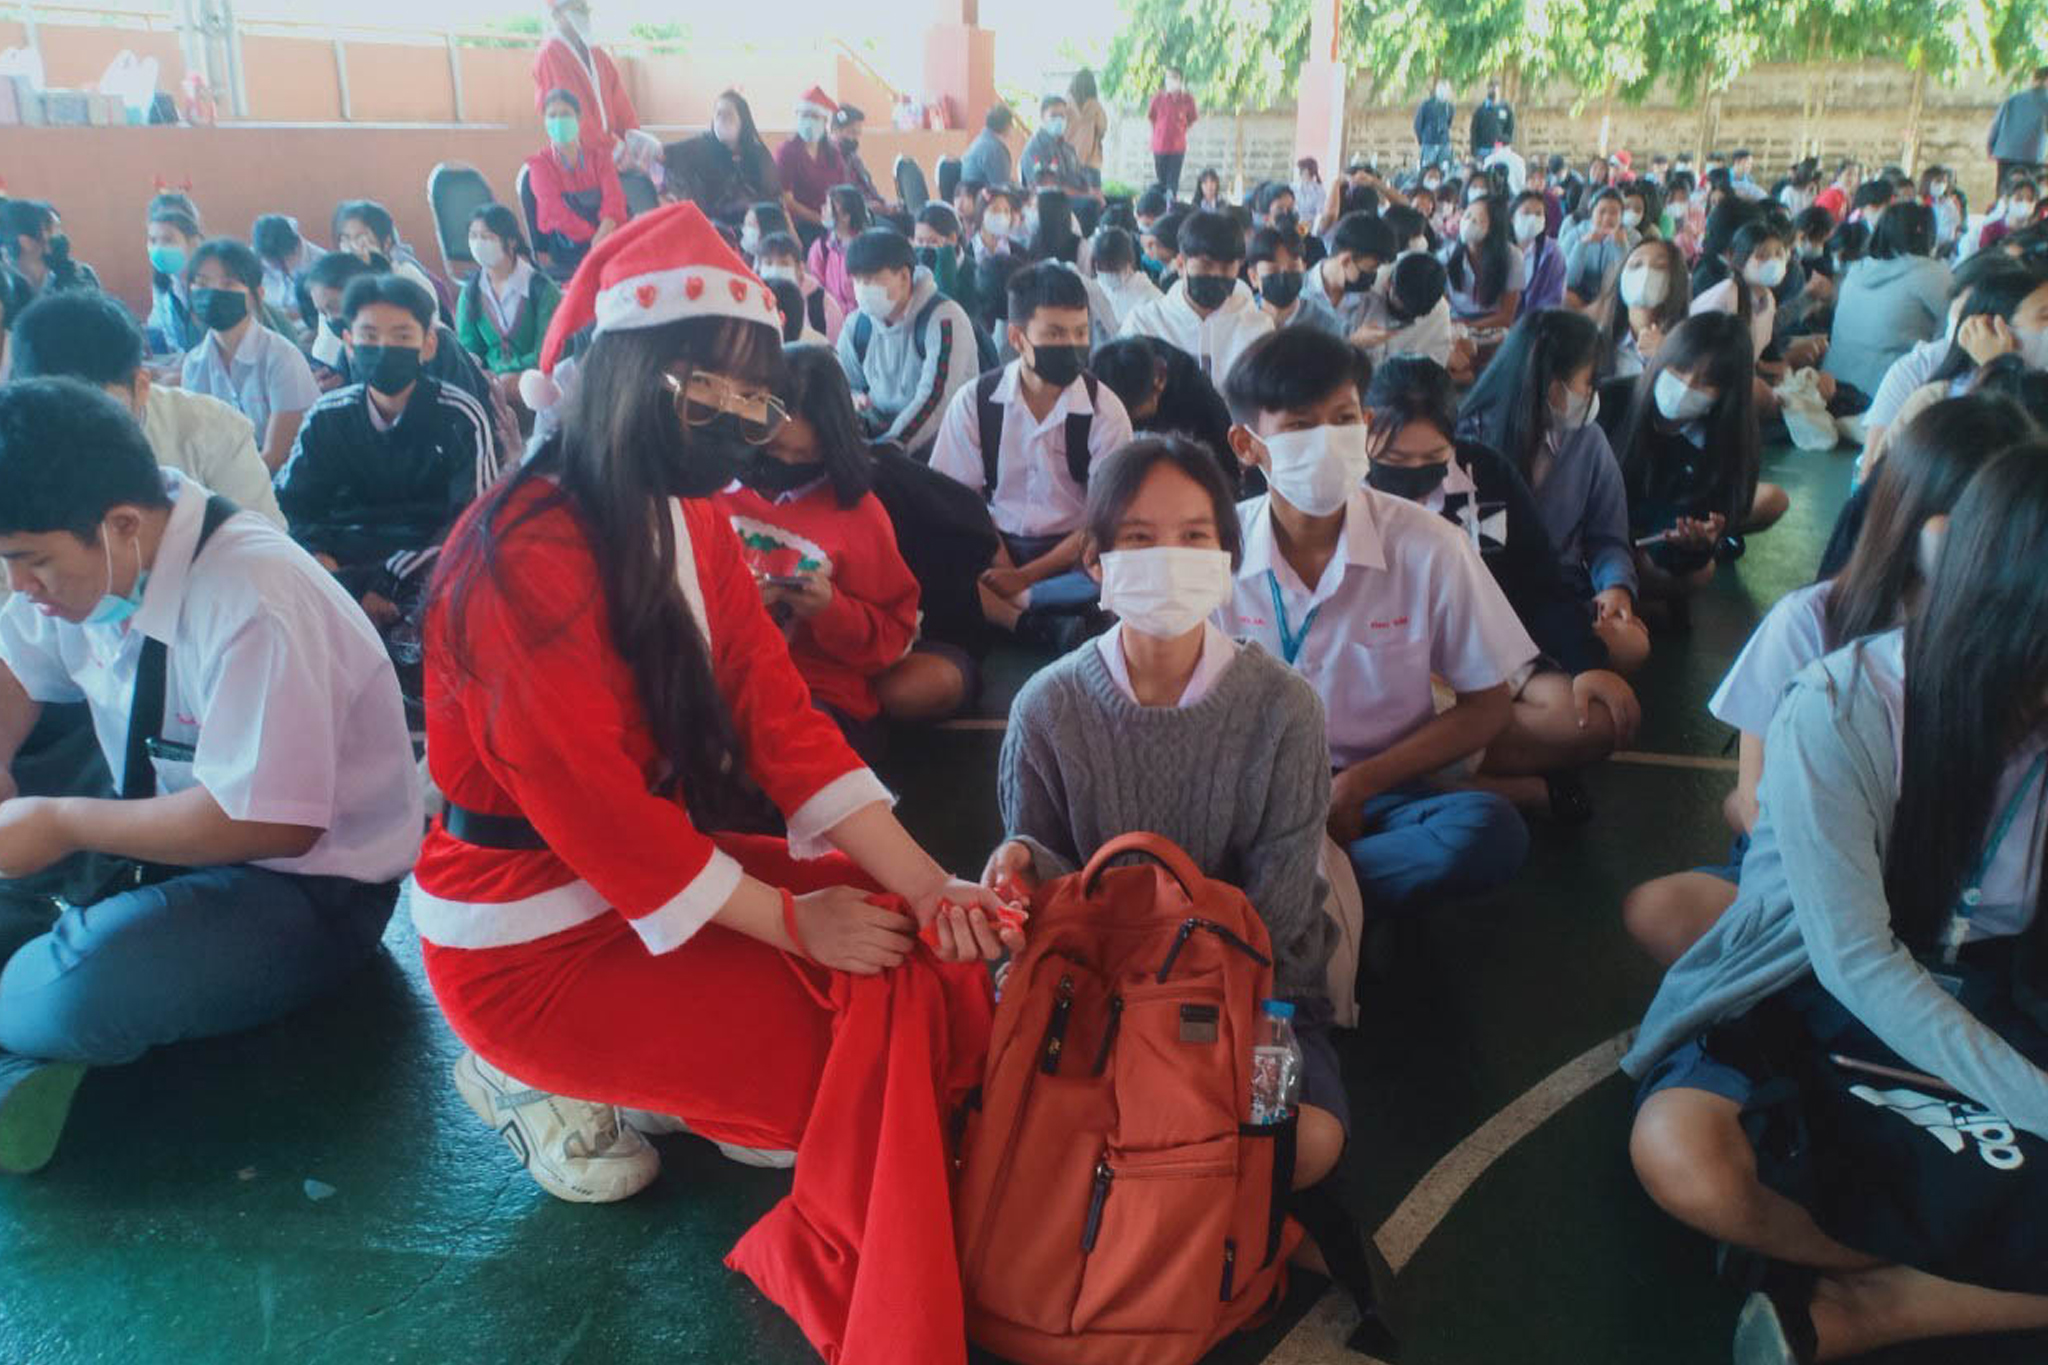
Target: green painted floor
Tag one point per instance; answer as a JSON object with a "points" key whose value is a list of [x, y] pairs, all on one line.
{"points": [[178, 1225]]}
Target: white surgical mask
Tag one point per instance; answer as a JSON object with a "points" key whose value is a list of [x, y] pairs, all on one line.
{"points": [[1030, 222], [1165, 591], [1765, 274], [1418, 244], [1680, 401], [1471, 232], [1578, 410], [1110, 280], [2019, 211], [1644, 287], [1475, 194], [874, 300], [1317, 469], [996, 224], [777, 272], [750, 238], [486, 252], [1528, 226], [1630, 217], [2033, 347], [810, 127]]}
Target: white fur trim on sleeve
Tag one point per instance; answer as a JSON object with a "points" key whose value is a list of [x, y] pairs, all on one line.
{"points": [[837, 799], [669, 926]]}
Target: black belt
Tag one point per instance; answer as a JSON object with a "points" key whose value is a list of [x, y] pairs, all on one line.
{"points": [[514, 833]]}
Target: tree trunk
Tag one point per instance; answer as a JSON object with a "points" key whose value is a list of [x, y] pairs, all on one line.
{"points": [[1910, 155]]}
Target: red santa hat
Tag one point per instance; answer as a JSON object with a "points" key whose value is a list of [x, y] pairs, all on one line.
{"points": [[661, 267], [816, 101]]}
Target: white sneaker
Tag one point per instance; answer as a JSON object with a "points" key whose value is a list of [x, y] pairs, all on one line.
{"points": [[575, 1149], [660, 1125]]}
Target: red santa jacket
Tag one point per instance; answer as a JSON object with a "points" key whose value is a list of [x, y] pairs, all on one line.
{"points": [[554, 732], [871, 621], [556, 67]]}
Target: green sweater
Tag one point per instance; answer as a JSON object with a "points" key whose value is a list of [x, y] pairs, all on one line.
{"points": [[478, 331]]}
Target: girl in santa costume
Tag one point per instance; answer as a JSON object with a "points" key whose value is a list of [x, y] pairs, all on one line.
{"points": [[602, 674]]}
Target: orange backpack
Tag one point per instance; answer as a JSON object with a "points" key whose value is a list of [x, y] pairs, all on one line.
{"points": [[1114, 1206]]}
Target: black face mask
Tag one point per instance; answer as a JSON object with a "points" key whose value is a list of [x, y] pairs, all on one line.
{"points": [[1209, 291], [716, 455], [1281, 288], [387, 369], [766, 474], [1413, 482], [219, 309], [1058, 365], [1363, 282], [1288, 223], [58, 248], [848, 146], [927, 256]]}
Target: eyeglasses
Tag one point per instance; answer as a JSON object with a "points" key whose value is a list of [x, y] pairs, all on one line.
{"points": [[705, 397]]}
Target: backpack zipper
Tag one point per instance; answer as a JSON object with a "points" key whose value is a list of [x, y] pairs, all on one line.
{"points": [[1116, 1019], [1056, 1028], [1188, 927], [1093, 1227], [1229, 1267]]}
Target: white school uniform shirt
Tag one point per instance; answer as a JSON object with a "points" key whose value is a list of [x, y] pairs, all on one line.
{"points": [[1219, 651], [1906, 374], [1133, 291], [1404, 597], [277, 682], [504, 304], [1792, 635], [267, 375], [1463, 299], [209, 440], [1722, 299], [1430, 335], [1035, 493], [1215, 341]]}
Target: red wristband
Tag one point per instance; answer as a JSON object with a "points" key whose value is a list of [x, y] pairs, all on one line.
{"points": [[789, 920]]}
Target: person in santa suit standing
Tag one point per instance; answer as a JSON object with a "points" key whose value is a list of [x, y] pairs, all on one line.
{"points": [[601, 674], [569, 60]]}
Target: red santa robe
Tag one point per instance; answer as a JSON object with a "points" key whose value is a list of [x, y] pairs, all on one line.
{"points": [[608, 111], [590, 968]]}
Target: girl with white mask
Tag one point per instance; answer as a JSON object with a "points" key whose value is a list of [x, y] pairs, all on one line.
{"points": [[1168, 725], [1642, 302]]}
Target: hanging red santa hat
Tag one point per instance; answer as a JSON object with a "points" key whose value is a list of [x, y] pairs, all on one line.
{"points": [[816, 101], [661, 267]]}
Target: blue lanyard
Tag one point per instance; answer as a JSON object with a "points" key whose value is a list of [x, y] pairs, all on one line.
{"points": [[1290, 641], [1973, 894]]}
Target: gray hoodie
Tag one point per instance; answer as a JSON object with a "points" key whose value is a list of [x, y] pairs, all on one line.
{"points": [[910, 373]]}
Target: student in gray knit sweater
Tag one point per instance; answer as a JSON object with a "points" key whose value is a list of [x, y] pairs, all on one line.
{"points": [[1165, 724]]}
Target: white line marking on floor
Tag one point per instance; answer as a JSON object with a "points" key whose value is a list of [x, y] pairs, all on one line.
{"points": [[1713, 765], [1318, 1339]]}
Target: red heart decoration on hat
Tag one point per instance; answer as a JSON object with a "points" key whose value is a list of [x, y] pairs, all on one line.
{"points": [[646, 294], [739, 290], [693, 287], [768, 301]]}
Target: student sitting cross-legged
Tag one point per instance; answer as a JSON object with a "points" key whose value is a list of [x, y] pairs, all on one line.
{"points": [[1136, 729], [910, 349], [1026, 437], [241, 361], [1368, 595], [269, 801]]}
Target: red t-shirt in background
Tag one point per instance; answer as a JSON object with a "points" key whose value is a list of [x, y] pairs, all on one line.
{"points": [[1172, 112]]}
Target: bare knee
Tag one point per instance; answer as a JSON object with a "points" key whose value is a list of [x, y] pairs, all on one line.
{"points": [[1318, 1143], [921, 687], [1689, 1152], [1668, 915], [1628, 645], [1772, 502]]}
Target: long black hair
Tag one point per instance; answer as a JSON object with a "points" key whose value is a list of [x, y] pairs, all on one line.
{"points": [[503, 224], [1999, 294], [1610, 311], [1976, 663], [1054, 239], [610, 466], [1490, 277], [813, 387], [753, 151], [1509, 408], [1720, 344], [1925, 469], [1748, 238]]}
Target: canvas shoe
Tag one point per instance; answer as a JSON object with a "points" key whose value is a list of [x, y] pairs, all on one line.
{"points": [[576, 1149], [35, 1099], [658, 1125]]}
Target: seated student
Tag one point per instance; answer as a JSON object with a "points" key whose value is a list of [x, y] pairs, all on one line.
{"points": [[2022, 197], [577, 198], [1048, 156], [86, 335], [505, 307], [1890, 300], [1685, 435], [936, 240], [1411, 231], [1598, 252], [1641, 303], [173, 236], [1888, 914], [822, 549], [1537, 405], [910, 350], [1570, 709], [269, 803], [1487, 273], [1051, 421], [845, 218], [384, 466], [1274, 266], [781, 257], [1001, 222], [1117, 270], [1544, 259], [286, 257], [241, 362], [1407, 313], [1165, 393], [796, 327], [1757, 259], [366, 230], [759, 221], [1116, 735], [1879, 587], [1360, 246], [726, 168], [848, 123], [1163, 246], [1209, 312], [1368, 596], [37, 254]]}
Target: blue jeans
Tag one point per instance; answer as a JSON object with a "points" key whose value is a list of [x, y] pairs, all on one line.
{"points": [[1062, 594], [209, 951], [1422, 847]]}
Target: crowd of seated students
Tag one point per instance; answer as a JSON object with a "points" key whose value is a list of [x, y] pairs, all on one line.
{"points": [[1378, 511]]}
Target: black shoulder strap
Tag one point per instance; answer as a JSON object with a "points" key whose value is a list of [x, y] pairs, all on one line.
{"points": [[863, 328], [989, 414], [814, 306], [1079, 424], [924, 316], [146, 710]]}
